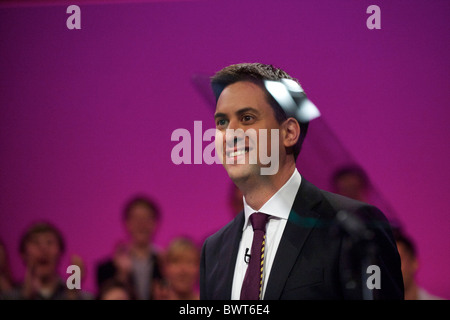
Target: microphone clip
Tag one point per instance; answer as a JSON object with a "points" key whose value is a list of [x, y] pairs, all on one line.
{"points": [[247, 256]]}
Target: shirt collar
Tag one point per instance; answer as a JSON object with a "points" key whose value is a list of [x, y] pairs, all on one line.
{"points": [[280, 204]]}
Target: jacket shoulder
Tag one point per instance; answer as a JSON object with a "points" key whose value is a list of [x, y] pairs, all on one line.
{"points": [[224, 232], [364, 211]]}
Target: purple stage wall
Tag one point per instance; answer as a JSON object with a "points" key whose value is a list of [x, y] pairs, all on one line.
{"points": [[86, 116]]}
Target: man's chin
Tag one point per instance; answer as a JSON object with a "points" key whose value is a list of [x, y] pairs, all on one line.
{"points": [[241, 172], [45, 273]]}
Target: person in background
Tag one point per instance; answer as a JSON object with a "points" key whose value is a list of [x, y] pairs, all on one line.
{"points": [[41, 248], [6, 278], [410, 266], [181, 270], [112, 289], [135, 262], [351, 181]]}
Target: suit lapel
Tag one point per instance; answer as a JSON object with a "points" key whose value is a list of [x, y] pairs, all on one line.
{"points": [[302, 219], [226, 265]]}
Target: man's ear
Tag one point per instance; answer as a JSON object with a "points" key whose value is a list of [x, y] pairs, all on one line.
{"points": [[291, 132]]}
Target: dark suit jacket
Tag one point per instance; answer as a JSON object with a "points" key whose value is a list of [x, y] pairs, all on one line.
{"points": [[314, 257], [107, 270]]}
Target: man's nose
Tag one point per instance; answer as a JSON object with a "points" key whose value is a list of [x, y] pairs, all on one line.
{"points": [[42, 249], [234, 124], [232, 141], [235, 137]]}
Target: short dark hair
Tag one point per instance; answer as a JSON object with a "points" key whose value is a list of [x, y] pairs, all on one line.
{"points": [[41, 227], [141, 200], [113, 283], [257, 73]]}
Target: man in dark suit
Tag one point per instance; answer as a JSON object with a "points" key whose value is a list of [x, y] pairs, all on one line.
{"points": [[135, 264], [292, 240]]}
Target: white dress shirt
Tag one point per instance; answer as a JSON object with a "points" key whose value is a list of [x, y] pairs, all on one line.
{"points": [[278, 207]]}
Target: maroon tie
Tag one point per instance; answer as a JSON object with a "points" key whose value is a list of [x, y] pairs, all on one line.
{"points": [[252, 285]]}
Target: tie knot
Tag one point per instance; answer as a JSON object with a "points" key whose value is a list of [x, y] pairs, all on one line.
{"points": [[259, 221]]}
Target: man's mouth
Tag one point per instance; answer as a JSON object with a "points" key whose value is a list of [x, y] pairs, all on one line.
{"points": [[43, 261], [236, 153]]}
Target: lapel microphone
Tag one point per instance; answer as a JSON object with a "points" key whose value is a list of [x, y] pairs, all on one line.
{"points": [[247, 256]]}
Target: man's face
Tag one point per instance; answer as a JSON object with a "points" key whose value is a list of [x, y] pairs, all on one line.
{"points": [[243, 105], [182, 270], [140, 224], [350, 185], [42, 254]]}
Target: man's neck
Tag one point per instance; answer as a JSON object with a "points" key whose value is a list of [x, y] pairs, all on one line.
{"points": [[412, 292], [141, 251], [48, 284], [258, 191]]}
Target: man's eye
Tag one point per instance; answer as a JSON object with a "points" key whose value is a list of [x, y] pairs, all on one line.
{"points": [[247, 118], [221, 122]]}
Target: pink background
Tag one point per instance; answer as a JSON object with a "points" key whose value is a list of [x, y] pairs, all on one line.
{"points": [[86, 115]]}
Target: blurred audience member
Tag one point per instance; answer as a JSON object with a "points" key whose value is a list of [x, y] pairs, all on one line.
{"points": [[41, 248], [78, 261], [112, 289], [135, 262], [236, 200], [410, 265], [181, 270], [6, 278], [351, 181]]}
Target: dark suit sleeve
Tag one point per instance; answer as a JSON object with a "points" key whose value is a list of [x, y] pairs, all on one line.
{"points": [[105, 271], [381, 251], [203, 294], [157, 269]]}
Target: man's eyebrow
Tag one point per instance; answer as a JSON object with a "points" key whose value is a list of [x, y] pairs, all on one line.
{"points": [[244, 110], [220, 115], [238, 112]]}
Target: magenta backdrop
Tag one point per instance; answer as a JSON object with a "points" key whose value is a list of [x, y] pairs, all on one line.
{"points": [[86, 115]]}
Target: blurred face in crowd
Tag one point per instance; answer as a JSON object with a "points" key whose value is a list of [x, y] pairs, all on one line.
{"points": [[42, 253], [182, 269], [351, 185], [116, 293], [140, 224]]}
